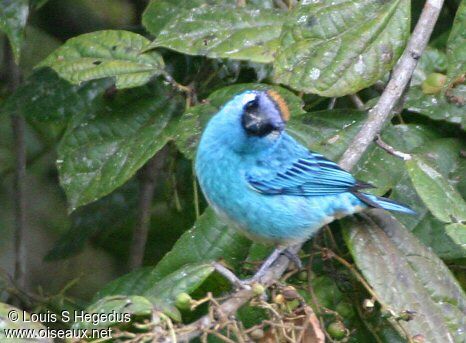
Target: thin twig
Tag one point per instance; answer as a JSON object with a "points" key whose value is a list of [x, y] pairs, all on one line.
{"points": [[381, 113], [378, 116], [357, 101], [331, 103], [141, 231], [391, 150], [18, 125]]}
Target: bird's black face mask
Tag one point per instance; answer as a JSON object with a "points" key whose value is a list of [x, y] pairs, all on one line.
{"points": [[261, 117]]}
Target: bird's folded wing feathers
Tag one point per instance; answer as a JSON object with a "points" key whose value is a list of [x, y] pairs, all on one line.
{"points": [[304, 173]]}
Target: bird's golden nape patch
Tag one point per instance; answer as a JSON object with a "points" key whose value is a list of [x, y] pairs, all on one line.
{"points": [[281, 104]]}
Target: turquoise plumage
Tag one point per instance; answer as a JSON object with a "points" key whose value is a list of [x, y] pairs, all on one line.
{"points": [[262, 181]]}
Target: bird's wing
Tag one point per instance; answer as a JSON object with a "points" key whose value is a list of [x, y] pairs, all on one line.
{"points": [[298, 171]]}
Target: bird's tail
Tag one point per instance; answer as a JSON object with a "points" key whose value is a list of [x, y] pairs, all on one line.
{"points": [[385, 203]]}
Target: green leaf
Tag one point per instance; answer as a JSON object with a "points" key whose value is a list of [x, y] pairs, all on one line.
{"points": [[23, 322], [44, 97], [239, 33], [184, 280], [104, 54], [209, 240], [442, 199], [110, 143], [400, 270], [120, 309], [194, 120], [448, 241], [13, 18], [159, 12], [340, 48], [161, 291], [437, 106], [328, 132], [456, 46], [444, 155]]}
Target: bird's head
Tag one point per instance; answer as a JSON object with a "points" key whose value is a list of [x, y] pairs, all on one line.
{"points": [[251, 121]]}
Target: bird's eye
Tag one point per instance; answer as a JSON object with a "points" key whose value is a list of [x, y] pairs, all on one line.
{"points": [[251, 105]]}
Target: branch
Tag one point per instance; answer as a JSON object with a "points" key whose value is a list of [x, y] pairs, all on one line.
{"points": [[18, 125], [381, 113], [140, 234], [378, 116]]}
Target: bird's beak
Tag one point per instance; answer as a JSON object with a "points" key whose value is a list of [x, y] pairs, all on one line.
{"points": [[260, 124]]}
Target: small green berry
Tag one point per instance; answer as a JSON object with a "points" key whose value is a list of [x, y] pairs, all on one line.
{"points": [[345, 310], [434, 83], [302, 276], [337, 330], [258, 289], [183, 301]]}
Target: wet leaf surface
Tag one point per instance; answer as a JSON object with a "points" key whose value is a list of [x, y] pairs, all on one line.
{"points": [[340, 48], [102, 54], [438, 106], [456, 46], [400, 271], [109, 144], [230, 32], [440, 197]]}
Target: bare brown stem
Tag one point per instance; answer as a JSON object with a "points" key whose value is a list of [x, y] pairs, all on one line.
{"points": [[141, 231], [18, 126], [357, 101]]}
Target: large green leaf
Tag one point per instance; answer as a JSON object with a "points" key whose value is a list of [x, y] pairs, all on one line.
{"points": [[13, 19], [456, 46], [444, 155], [110, 143], [106, 54], [231, 32], [194, 120], [22, 321], [159, 12], [209, 240], [184, 280], [161, 291], [437, 106], [44, 97], [400, 271], [442, 199], [339, 48]]}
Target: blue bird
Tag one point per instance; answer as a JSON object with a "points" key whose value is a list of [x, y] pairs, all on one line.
{"points": [[266, 184]]}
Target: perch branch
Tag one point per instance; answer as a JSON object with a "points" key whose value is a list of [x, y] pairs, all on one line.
{"points": [[378, 116], [18, 126], [381, 113], [141, 231]]}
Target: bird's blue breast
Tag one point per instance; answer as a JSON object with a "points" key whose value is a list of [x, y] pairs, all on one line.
{"points": [[278, 219]]}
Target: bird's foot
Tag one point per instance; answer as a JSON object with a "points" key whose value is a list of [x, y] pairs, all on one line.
{"points": [[258, 277], [293, 258]]}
